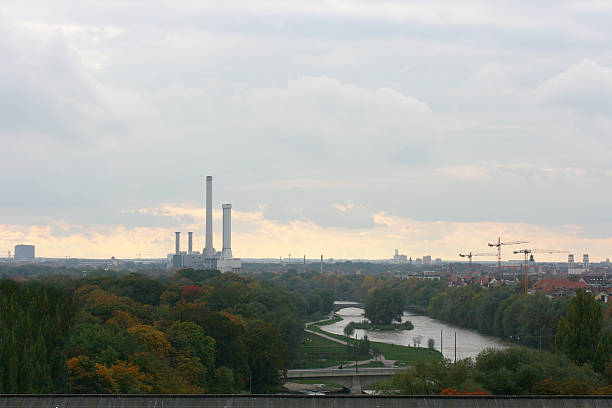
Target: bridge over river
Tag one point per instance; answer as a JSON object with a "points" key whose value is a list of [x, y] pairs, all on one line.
{"points": [[347, 377], [295, 401], [341, 304]]}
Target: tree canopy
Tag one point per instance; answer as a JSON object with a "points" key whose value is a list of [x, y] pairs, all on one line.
{"points": [[582, 335], [385, 305]]}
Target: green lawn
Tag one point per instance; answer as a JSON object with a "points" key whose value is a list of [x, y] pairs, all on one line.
{"points": [[404, 354], [317, 352]]}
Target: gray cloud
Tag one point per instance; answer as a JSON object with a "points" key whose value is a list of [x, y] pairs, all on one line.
{"points": [[424, 110]]}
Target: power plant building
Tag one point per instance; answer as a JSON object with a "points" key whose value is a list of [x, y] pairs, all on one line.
{"points": [[209, 258], [24, 252]]}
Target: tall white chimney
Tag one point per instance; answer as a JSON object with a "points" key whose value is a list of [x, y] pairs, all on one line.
{"points": [[227, 232], [190, 247], [178, 242], [208, 249]]}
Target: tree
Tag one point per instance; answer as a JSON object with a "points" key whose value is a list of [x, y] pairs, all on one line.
{"points": [[385, 305], [102, 344], [191, 293], [190, 339], [153, 340], [231, 350], [581, 335], [122, 319], [128, 379], [315, 303], [349, 330], [416, 341], [267, 356], [35, 322], [85, 376], [363, 346], [224, 381]]}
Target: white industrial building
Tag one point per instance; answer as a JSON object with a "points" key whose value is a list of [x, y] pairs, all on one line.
{"points": [[209, 258], [399, 259]]}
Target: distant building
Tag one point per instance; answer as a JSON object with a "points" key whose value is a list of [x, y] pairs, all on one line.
{"points": [[555, 287], [576, 271], [438, 261], [399, 259], [427, 260], [223, 260], [574, 268], [24, 252]]}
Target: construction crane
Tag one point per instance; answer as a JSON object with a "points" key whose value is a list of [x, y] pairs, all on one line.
{"points": [[499, 244], [470, 255], [526, 253]]}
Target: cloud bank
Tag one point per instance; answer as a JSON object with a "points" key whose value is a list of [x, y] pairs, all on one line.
{"points": [[317, 119]]}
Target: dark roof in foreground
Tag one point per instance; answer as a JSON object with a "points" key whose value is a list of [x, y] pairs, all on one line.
{"points": [[296, 401]]}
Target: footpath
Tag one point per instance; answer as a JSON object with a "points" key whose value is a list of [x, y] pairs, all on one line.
{"points": [[381, 358]]}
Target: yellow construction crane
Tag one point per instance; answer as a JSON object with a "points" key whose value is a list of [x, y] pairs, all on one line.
{"points": [[470, 255], [526, 253], [499, 244]]}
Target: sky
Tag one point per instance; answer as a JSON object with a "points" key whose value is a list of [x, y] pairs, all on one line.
{"points": [[342, 128]]}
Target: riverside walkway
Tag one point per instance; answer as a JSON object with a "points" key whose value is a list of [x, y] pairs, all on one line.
{"points": [[349, 378]]}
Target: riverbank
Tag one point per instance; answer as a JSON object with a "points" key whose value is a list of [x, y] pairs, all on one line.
{"points": [[365, 325], [400, 354], [469, 342]]}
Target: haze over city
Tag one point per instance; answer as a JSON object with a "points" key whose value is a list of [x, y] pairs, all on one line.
{"points": [[340, 128]]}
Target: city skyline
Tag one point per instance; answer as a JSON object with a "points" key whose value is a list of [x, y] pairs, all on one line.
{"points": [[339, 128]]}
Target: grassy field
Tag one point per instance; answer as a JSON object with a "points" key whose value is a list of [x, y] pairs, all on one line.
{"points": [[404, 355], [317, 352]]}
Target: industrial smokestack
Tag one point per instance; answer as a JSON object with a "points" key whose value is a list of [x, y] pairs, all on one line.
{"points": [[178, 242], [227, 232], [208, 249], [190, 247]]}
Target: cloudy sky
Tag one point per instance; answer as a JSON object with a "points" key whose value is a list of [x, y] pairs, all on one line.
{"points": [[348, 128]]}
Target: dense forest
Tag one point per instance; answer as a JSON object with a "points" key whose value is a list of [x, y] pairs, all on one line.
{"points": [[354, 286], [528, 320], [205, 332], [513, 371], [193, 332]]}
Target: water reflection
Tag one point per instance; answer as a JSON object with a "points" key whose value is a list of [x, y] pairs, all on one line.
{"points": [[469, 342]]}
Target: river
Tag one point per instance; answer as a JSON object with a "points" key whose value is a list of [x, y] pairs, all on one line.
{"points": [[469, 342]]}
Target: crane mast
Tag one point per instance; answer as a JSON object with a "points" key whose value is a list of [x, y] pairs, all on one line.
{"points": [[470, 255], [499, 244], [526, 253]]}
